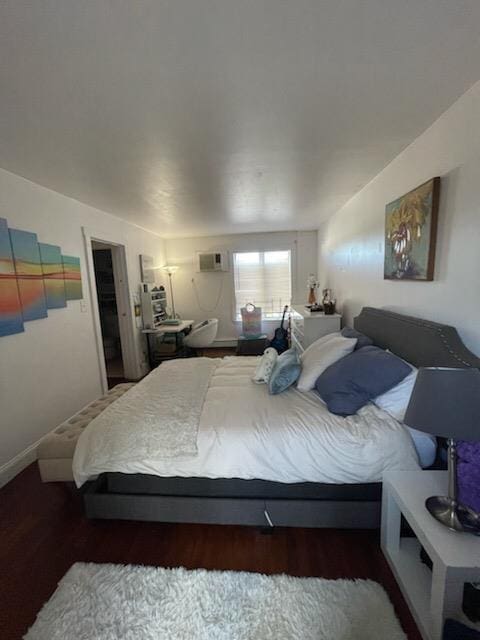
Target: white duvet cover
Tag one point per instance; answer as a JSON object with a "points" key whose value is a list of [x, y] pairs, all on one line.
{"points": [[246, 433]]}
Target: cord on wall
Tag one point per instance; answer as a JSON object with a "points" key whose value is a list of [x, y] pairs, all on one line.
{"points": [[220, 291]]}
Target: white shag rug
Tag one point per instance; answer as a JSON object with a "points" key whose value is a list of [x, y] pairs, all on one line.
{"points": [[111, 602]]}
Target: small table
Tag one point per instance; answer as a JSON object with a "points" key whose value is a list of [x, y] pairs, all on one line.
{"points": [[164, 329], [252, 346], [437, 594]]}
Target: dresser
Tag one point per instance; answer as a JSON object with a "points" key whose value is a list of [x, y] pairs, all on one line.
{"points": [[307, 327]]}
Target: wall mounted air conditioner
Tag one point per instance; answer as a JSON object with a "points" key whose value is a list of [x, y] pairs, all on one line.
{"points": [[212, 261]]}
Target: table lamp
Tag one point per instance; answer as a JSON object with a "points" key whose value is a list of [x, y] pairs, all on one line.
{"points": [[446, 402]]}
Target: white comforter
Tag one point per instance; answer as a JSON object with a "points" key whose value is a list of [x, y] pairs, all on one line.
{"points": [[246, 433]]}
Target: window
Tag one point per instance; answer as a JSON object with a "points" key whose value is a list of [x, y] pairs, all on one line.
{"points": [[263, 278]]}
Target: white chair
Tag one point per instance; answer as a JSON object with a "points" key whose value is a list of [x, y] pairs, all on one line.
{"points": [[202, 335]]}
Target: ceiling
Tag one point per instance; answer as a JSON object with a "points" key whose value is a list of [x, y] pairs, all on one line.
{"points": [[201, 117]]}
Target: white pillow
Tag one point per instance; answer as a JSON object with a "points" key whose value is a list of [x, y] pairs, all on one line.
{"points": [[265, 366], [319, 356], [321, 341], [395, 401]]}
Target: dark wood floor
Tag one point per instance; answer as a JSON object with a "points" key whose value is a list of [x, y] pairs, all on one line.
{"points": [[43, 532]]}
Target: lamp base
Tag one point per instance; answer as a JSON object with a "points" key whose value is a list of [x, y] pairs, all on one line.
{"points": [[444, 509], [470, 519]]}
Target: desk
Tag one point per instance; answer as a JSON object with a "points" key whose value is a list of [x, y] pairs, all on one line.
{"points": [[166, 329]]}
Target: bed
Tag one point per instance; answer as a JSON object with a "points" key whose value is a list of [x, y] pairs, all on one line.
{"points": [[230, 452]]}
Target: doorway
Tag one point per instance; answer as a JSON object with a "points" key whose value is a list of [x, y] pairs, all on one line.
{"points": [[105, 281]]}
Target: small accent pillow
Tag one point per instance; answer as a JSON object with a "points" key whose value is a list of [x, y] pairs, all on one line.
{"points": [[362, 339], [285, 373], [395, 401], [320, 355], [265, 366], [351, 383]]}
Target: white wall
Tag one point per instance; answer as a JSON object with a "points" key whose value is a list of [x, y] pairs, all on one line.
{"points": [[303, 245], [351, 243], [51, 370]]}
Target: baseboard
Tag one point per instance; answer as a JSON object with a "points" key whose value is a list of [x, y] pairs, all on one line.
{"points": [[13, 467]]}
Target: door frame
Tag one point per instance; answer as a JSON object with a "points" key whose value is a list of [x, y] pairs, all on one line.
{"points": [[122, 293]]}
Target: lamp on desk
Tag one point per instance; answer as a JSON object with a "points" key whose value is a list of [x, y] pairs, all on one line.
{"points": [[171, 269], [446, 403]]}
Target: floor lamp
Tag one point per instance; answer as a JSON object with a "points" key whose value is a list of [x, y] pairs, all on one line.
{"points": [[171, 269]]}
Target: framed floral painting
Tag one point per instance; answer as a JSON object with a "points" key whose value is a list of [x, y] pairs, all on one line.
{"points": [[410, 233]]}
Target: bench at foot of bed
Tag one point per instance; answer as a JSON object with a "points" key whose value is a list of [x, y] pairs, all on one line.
{"points": [[55, 452]]}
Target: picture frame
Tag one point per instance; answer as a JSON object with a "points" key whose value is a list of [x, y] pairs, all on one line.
{"points": [[411, 232], [147, 273]]}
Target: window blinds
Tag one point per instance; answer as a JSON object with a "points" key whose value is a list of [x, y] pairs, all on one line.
{"points": [[264, 279]]}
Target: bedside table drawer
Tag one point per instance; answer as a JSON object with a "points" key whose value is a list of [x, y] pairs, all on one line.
{"points": [[299, 335], [295, 343]]}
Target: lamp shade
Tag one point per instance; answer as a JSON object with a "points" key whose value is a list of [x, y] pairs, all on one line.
{"points": [[446, 402], [170, 269]]}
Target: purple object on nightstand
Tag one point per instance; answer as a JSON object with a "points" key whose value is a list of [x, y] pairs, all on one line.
{"points": [[468, 474]]}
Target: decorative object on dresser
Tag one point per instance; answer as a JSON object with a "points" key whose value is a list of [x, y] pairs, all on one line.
{"points": [[446, 402], [410, 233], [437, 594], [313, 285], [328, 302], [308, 326]]}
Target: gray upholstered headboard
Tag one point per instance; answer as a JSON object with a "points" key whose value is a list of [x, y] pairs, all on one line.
{"points": [[421, 342]]}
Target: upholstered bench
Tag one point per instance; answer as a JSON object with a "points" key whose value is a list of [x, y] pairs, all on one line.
{"points": [[55, 452]]}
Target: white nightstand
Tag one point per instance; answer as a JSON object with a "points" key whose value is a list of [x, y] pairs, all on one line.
{"points": [[436, 594]]}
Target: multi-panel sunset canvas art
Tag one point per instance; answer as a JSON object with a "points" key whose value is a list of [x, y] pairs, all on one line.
{"points": [[11, 320], [52, 268], [34, 277], [28, 268], [73, 278]]}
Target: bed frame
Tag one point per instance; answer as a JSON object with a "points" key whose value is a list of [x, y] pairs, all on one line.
{"points": [[262, 503]]}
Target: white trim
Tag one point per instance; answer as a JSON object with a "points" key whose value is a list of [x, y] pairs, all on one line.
{"points": [[95, 313], [16, 465], [13, 467], [125, 319], [125, 312]]}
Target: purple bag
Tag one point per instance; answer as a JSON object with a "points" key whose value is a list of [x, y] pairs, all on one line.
{"points": [[468, 474]]}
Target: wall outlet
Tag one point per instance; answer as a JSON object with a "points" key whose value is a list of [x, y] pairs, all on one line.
{"points": [[83, 306]]}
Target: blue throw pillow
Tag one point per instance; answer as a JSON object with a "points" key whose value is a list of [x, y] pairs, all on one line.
{"points": [[350, 383], [362, 339], [285, 372]]}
